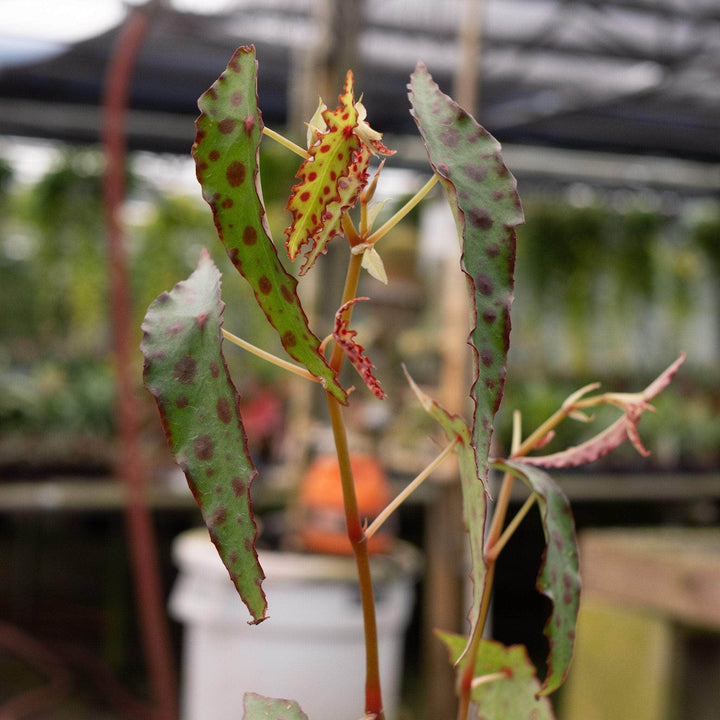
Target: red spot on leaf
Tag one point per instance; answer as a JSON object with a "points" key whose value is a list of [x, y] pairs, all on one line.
{"points": [[226, 126], [203, 447], [236, 99], [476, 173], [235, 173], [345, 338], [239, 487], [484, 285], [219, 516], [214, 369], [489, 316], [224, 411], [480, 218], [450, 137], [264, 285], [214, 155], [185, 370], [249, 236]]}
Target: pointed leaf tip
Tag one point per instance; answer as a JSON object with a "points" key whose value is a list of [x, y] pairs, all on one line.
{"points": [[355, 352], [226, 152], [474, 493], [559, 577], [186, 373], [483, 197]]}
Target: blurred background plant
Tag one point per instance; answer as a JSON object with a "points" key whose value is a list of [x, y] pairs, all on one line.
{"points": [[592, 271]]}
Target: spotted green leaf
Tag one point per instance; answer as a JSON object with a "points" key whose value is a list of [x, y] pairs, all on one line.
{"points": [[259, 707], [226, 152], [506, 685], [348, 190], [186, 373], [559, 577], [483, 196], [473, 492], [317, 203]]}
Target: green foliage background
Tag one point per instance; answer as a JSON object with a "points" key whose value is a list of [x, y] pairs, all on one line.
{"points": [[583, 267]]}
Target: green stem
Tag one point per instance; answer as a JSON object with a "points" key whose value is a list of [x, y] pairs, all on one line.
{"points": [[512, 526], [408, 490], [403, 211], [269, 357], [289, 144], [533, 439]]}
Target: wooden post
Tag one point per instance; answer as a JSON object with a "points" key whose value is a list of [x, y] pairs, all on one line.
{"points": [[445, 537]]}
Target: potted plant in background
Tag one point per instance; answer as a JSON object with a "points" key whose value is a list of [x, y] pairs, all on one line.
{"points": [[186, 372]]}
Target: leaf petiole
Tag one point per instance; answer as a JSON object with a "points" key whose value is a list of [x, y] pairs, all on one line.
{"points": [[403, 211], [408, 490], [289, 144], [273, 359], [484, 679], [511, 527]]}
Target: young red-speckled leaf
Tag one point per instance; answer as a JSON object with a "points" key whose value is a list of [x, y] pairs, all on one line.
{"points": [[355, 353], [624, 428], [226, 152], [506, 685], [473, 492], [559, 578], [315, 202], [259, 707], [348, 191], [186, 373], [483, 196]]}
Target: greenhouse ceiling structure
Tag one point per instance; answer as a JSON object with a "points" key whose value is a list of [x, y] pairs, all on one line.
{"points": [[637, 77]]}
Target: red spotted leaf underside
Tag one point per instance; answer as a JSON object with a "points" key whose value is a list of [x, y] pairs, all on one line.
{"points": [[484, 199], [506, 684], [317, 202], [259, 707], [355, 353], [186, 373], [473, 490], [348, 191], [559, 577], [226, 153]]}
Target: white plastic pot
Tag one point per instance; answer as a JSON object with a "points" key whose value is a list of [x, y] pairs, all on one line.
{"points": [[310, 649]]}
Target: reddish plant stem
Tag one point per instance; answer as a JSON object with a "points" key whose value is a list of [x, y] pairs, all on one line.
{"points": [[149, 594], [355, 530]]}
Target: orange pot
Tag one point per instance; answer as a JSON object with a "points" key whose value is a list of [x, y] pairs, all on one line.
{"points": [[321, 508]]}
